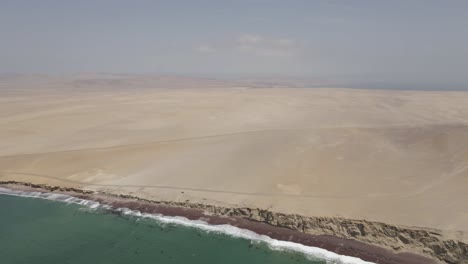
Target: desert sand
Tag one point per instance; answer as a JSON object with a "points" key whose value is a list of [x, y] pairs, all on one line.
{"points": [[397, 157]]}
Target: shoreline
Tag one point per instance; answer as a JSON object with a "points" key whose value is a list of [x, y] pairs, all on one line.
{"points": [[349, 237]]}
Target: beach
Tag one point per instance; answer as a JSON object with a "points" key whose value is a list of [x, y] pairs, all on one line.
{"points": [[355, 157]]}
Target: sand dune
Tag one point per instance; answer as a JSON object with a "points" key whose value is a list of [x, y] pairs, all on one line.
{"points": [[393, 156]]}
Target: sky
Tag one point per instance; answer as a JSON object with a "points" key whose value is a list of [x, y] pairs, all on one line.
{"points": [[391, 43]]}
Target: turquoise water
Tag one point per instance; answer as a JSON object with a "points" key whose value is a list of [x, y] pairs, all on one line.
{"points": [[42, 231]]}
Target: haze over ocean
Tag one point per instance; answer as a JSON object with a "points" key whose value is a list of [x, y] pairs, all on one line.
{"points": [[365, 44]]}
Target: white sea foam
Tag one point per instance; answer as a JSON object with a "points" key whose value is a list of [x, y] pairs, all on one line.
{"points": [[55, 197], [311, 252]]}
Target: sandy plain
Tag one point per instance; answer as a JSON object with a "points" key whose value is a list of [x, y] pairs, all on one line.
{"points": [[398, 157]]}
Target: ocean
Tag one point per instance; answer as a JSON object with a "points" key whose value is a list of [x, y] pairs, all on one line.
{"points": [[46, 228]]}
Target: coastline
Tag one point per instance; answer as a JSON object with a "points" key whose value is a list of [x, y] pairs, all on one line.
{"points": [[369, 241]]}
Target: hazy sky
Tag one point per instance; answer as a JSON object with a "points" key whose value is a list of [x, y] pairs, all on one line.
{"points": [[411, 42]]}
